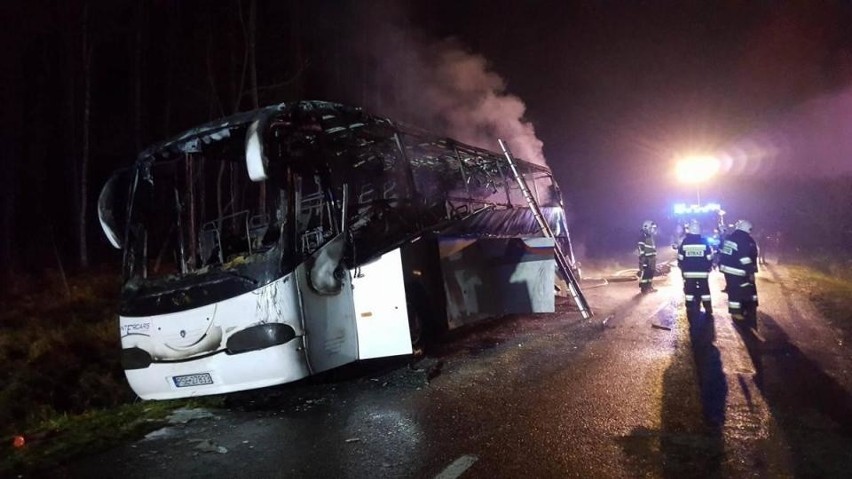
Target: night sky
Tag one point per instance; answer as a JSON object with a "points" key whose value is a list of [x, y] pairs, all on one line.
{"points": [[607, 93]]}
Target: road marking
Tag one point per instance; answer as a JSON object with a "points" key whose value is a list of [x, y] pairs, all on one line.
{"points": [[458, 467]]}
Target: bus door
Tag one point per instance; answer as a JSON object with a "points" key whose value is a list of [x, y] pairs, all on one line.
{"points": [[328, 311]]}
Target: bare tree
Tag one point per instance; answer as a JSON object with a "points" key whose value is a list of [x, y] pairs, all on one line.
{"points": [[7, 213], [296, 49], [252, 49], [137, 74], [172, 17], [87, 52], [252, 52]]}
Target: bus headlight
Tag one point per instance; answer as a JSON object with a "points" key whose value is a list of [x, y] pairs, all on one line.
{"points": [[135, 358], [259, 336]]}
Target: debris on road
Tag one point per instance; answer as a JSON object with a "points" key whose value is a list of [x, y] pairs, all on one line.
{"points": [[206, 445], [458, 467], [184, 415], [660, 326], [432, 367]]}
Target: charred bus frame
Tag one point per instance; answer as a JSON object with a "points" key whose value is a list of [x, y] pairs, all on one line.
{"points": [[278, 243]]}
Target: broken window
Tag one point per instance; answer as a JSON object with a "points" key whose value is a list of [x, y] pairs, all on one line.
{"points": [[195, 213]]}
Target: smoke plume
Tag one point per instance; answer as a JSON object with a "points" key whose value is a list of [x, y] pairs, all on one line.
{"points": [[444, 87]]}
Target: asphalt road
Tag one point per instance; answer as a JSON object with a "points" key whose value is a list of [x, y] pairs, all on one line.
{"points": [[637, 391]]}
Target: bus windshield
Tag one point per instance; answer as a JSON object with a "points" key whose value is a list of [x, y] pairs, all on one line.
{"points": [[195, 214]]}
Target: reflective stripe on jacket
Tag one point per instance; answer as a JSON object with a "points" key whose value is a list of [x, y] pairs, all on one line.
{"points": [[694, 257], [738, 254], [646, 246]]}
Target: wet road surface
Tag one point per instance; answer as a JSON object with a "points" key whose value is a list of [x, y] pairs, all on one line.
{"points": [[639, 390]]}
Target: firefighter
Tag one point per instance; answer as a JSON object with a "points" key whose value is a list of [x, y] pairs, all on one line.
{"points": [[695, 260], [680, 232], [738, 261], [647, 256]]}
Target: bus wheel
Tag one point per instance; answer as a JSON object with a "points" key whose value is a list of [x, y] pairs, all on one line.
{"points": [[417, 306], [415, 325]]}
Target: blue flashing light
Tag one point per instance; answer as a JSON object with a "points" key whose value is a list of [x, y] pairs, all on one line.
{"points": [[684, 209]]}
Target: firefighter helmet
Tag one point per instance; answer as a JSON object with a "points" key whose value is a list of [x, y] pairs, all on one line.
{"points": [[694, 227], [744, 225], [648, 226]]}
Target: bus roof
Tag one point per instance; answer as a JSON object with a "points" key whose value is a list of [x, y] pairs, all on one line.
{"points": [[330, 118]]}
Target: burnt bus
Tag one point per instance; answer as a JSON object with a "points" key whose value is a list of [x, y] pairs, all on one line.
{"points": [[274, 244]]}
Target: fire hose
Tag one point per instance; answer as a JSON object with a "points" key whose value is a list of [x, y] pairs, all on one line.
{"points": [[625, 275]]}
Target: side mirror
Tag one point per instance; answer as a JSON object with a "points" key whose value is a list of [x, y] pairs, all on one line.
{"points": [[256, 161], [325, 269], [112, 207]]}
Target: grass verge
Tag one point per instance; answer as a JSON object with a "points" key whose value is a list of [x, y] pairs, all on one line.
{"points": [[63, 389], [58, 439], [831, 293]]}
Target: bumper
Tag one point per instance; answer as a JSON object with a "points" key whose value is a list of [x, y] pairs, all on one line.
{"points": [[229, 373]]}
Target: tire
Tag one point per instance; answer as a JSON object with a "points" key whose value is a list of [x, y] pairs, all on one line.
{"points": [[418, 313], [415, 325]]}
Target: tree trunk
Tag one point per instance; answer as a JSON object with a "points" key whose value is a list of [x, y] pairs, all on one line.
{"points": [[239, 87], [252, 51], [71, 115], [252, 47], [297, 59], [137, 76], [6, 220], [84, 159], [173, 15], [215, 101]]}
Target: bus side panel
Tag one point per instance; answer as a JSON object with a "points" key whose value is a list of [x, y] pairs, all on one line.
{"points": [[380, 308], [488, 277]]}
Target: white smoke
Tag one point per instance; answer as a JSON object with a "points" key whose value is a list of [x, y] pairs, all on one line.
{"points": [[442, 86], [473, 101]]}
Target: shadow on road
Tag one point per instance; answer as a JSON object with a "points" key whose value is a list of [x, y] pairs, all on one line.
{"points": [[693, 445], [689, 442], [813, 411], [712, 384]]}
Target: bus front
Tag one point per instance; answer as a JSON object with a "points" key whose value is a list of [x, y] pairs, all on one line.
{"points": [[217, 264]]}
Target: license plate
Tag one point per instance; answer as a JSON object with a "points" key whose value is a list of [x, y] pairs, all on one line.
{"points": [[190, 380]]}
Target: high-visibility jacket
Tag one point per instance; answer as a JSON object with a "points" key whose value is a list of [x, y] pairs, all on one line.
{"points": [[647, 247], [694, 257], [738, 254]]}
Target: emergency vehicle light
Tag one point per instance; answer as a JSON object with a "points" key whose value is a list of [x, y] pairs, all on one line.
{"points": [[684, 209]]}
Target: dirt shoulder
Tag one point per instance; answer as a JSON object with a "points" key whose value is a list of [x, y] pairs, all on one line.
{"points": [[831, 293]]}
